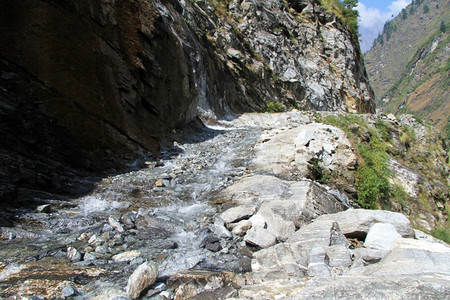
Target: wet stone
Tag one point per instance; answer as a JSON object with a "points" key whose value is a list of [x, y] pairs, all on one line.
{"points": [[212, 243]]}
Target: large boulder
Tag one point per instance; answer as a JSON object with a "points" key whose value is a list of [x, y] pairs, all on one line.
{"points": [[357, 222], [291, 151], [295, 201]]}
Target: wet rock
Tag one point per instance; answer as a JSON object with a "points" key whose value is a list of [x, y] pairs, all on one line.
{"points": [[116, 225], [73, 254], [128, 219], [357, 222], [220, 230], [212, 243], [235, 214], [381, 236], [12, 233], [166, 244], [149, 227], [126, 256], [45, 208], [142, 278], [260, 237]]}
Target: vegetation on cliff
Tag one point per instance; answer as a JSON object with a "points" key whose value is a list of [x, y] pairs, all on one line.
{"points": [[380, 142]]}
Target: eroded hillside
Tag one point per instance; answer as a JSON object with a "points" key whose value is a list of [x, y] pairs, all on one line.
{"points": [[409, 62]]}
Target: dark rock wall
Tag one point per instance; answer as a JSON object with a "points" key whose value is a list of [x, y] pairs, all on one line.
{"points": [[86, 84]]}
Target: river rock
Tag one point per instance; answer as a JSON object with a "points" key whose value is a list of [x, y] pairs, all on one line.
{"points": [[69, 291], [381, 236], [357, 222], [116, 225], [295, 201], [142, 278], [259, 236], [73, 254], [235, 214], [275, 224], [126, 256], [220, 230], [241, 227]]}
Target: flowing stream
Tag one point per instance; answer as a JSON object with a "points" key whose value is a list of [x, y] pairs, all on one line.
{"points": [[166, 210]]}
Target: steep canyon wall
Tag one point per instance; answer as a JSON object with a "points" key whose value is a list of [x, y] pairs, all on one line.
{"points": [[86, 84]]}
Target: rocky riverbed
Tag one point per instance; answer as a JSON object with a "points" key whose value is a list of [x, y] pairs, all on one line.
{"points": [[230, 211]]}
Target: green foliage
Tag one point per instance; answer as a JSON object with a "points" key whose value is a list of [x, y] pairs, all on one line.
{"points": [[274, 107], [442, 233], [404, 14], [426, 9], [443, 27], [419, 120], [372, 176], [371, 187], [384, 129], [407, 137], [345, 14], [399, 195], [344, 122], [316, 171]]}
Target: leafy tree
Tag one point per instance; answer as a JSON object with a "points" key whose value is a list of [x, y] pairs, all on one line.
{"points": [[350, 4], [404, 14], [426, 9], [443, 27]]}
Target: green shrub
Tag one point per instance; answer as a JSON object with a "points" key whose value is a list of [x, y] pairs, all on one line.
{"points": [[384, 129], [399, 195], [442, 233], [274, 107], [419, 120]]}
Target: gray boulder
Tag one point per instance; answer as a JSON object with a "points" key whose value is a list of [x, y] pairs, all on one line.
{"points": [[259, 236], [381, 236], [357, 222]]}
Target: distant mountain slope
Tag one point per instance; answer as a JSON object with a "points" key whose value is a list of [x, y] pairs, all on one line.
{"points": [[409, 62]]}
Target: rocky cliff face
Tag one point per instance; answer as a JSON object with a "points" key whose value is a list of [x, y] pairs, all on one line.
{"points": [[107, 79], [408, 63]]}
